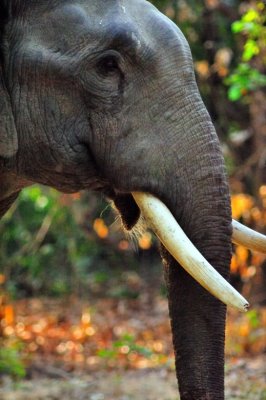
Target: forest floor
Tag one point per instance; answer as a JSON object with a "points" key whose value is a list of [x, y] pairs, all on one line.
{"points": [[245, 379], [117, 346]]}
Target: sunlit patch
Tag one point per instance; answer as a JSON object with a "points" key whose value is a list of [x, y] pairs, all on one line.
{"points": [[92, 360], [9, 314], [9, 331], [100, 228], [20, 327], [78, 333], [61, 348], [203, 68], [90, 331], [145, 241], [123, 245], [244, 262], [40, 340], [262, 193], [32, 347], [241, 205], [125, 349], [85, 318]]}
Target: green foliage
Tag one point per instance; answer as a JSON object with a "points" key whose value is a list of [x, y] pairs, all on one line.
{"points": [[50, 245], [243, 80], [125, 345], [43, 249], [254, 318], [160, 4], [251, 23], [246, 78], [10, 362]]}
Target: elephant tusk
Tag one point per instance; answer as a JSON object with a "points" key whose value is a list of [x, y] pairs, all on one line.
{"points": [[248, 238], [164, 225]]}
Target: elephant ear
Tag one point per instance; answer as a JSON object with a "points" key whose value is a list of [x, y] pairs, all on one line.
{"points": [[8, 133]]}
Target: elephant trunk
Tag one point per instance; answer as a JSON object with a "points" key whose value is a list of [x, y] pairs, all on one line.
{"points": [[197, 318]]}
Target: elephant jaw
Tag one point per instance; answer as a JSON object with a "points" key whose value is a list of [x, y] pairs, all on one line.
{"points": [[164, 225]]}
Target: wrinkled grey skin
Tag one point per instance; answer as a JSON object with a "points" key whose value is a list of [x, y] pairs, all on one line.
{"points": [[101, 95]]}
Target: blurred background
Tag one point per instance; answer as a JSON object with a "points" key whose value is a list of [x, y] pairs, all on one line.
{"points": [[78, 296]]}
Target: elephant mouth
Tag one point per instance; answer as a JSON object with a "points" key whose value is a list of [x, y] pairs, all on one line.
{"points": [[126, 206]]}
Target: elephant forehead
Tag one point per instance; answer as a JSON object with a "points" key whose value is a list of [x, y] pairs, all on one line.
{"points": [[92, 24]]}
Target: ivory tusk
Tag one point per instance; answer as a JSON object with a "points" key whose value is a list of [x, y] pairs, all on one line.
{"points": [[248, 238], [164, 225]]}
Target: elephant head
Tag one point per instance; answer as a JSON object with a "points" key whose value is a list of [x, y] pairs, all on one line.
{"points": [[101, 95]]}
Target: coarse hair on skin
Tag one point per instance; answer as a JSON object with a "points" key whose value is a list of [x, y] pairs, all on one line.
{"points": [[132, 233]]}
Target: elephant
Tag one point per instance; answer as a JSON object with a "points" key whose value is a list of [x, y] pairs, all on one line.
{"points": [[101, 95]]}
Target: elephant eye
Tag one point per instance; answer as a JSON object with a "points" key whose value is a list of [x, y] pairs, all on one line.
{"points": [[108, 65]]}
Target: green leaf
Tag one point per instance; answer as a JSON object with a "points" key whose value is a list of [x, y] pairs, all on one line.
{"points": [[251, 49], [234, 93], [10, 363], [253, 318], [251, 15], [237, 26]]}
